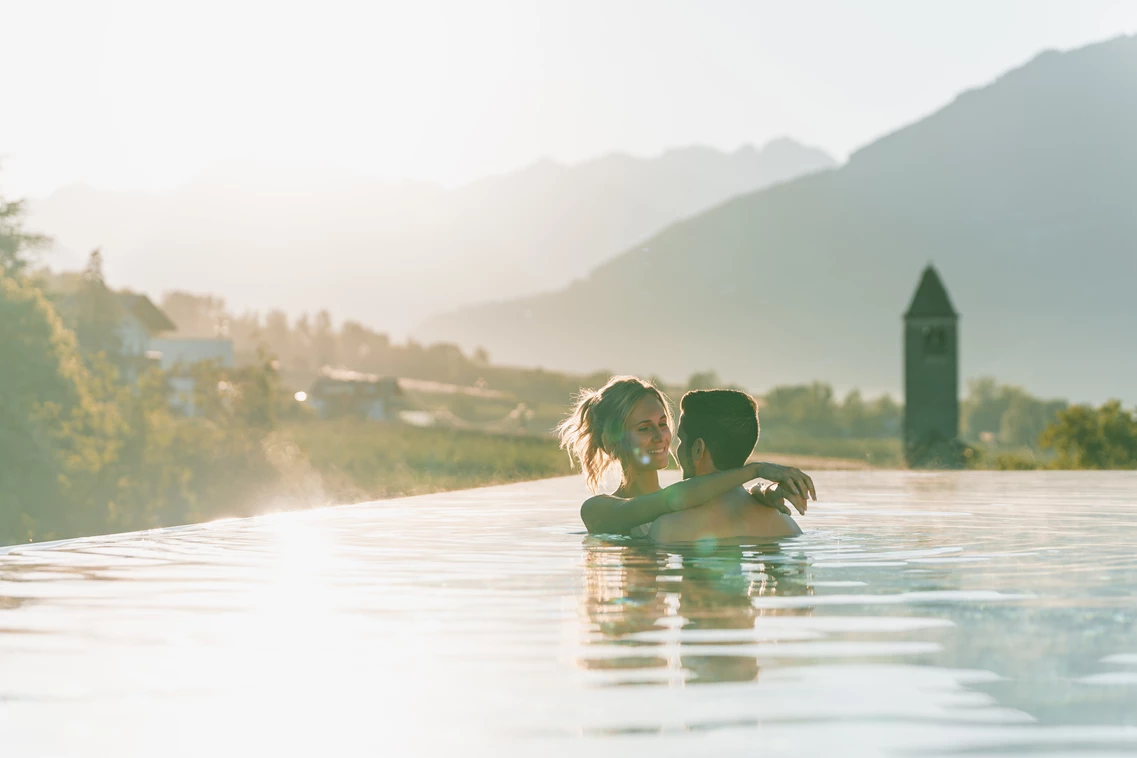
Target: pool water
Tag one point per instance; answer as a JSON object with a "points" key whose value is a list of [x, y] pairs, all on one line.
{"points": [[920, 614]]}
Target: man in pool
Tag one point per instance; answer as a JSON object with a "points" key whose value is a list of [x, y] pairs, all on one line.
{"points": [[717, 431]]}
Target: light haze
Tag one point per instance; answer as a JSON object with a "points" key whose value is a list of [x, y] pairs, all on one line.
{"points": [[141, 95]]}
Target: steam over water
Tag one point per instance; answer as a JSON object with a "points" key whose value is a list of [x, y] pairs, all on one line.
{"points": [[919, 614]]}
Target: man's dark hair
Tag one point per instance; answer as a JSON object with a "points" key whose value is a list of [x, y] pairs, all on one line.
{"points": [[726, 421]]}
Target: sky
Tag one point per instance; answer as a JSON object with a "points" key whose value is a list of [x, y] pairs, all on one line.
{"points": [[145, 95]]}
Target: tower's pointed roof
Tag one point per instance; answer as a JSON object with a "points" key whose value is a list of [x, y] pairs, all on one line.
{"points": [[931, 299]]}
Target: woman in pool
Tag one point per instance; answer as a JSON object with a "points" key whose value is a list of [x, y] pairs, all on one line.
{"points": [[627, 422]]}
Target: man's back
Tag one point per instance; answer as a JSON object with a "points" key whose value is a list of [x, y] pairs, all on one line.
{"points": [[730, 517]]}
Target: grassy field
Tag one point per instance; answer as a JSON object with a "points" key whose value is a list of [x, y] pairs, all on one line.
{"points": [[351, 460], [360, 460]]}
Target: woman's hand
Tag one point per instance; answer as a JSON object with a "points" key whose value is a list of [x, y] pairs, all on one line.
{"points": [[775, 496], [795, 481]]}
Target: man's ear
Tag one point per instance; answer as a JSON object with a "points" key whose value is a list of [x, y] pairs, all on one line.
{"points": [[698, 447]]}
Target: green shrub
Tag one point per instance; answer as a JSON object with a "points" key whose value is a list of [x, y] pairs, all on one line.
{"points": [[883, 451], [366, 459], [1084, 437]]}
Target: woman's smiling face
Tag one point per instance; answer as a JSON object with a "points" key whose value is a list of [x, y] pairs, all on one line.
{"points": [[647, 436]]}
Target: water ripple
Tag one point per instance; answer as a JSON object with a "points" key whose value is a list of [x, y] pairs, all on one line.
{"points": [[919, 614]]}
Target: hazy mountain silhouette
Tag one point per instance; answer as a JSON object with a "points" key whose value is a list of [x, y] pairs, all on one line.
{"points": [[1023, 193], [391, 254]]}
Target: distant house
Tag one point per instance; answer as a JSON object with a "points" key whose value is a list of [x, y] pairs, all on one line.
{"points": [[142, 329], [177, 355], [172, 352], [339, 392], [140, 321], [136, 322]]}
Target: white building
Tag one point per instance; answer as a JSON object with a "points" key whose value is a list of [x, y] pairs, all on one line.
{"points": [[172, 352], [141, 328], [140, 322], [174, 355]]}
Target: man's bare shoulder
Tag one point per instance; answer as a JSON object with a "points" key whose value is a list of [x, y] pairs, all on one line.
{"points": [[674, 527], [760, 521], [730, 516]]}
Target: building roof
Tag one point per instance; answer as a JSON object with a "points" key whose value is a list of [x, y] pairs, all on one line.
{"points": [[931, 299], [331, 377], [442, 388], [151, 316]]}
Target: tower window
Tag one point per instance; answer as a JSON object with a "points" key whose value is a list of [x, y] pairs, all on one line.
{"points": [[935, 340]]}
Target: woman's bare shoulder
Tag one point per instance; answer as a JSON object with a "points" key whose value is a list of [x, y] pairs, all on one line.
{"points": [[598, 504], [605, 499]]}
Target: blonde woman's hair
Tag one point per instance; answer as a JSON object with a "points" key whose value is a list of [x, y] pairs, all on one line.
{"points": [[593, 433]]}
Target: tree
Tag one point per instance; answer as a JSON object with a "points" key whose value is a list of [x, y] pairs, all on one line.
{"points": [[81, 452], [1025, 419], [324, 340], [444, 360], [703, 380], [277, 335], [46, 413], [982, 411], [854, 415], [1005, 413], [354, 348], [301, 345], [245, 331], [258, 394], [1089, 438], [16, 245], [97, 313], [808, 409], [883, 418]]}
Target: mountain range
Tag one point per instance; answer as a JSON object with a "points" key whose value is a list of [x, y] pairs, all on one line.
{"points": [[389, 255], [1023, 193]]}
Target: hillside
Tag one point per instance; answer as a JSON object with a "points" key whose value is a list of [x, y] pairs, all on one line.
{"points": [[1021, 192], [389, 255]]}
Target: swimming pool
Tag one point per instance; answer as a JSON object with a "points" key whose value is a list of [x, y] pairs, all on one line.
{"points": [[920, 614]]}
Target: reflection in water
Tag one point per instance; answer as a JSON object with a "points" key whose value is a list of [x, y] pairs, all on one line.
{"points": [[678, 615], [955, 614]]}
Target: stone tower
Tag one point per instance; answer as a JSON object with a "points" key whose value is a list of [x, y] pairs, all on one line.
{"points": [[931, 378]]}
